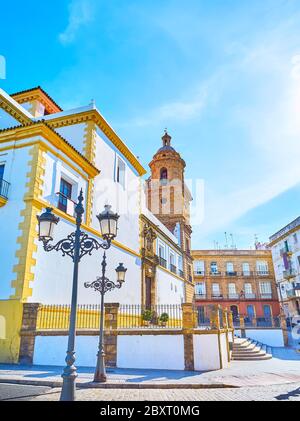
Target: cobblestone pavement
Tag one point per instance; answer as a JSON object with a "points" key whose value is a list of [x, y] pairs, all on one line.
{"points": [[289, 392]]}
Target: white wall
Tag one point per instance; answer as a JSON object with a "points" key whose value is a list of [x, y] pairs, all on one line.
{"points": [[151, 352], [271, 337], [170, 290], [206, 352], [53, 274], [51, 350]]}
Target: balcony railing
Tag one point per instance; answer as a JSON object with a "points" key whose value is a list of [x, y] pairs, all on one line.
{"points": [[200, 296], [199, 273], [173, 269], [181, 274], [4, 188], [233, 296], [262, 273], [293, 293], [65, 204], [266, 296], [162, 262], [249, 296], [288, 274], [215, 273], [229, 273]]}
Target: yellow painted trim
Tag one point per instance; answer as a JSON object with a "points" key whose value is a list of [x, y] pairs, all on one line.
{"points": [[89, 151], [36, 95], [49, 149], [40, 204], [94, 115], [220, 349], [23, 269], [14, 111], [16, 134], [3, 202]]}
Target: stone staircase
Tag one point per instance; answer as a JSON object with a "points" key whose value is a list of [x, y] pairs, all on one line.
{"points": [[249, 350]]}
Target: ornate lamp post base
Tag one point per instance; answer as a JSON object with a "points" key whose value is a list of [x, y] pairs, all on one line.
{"points": [[100, 373]]}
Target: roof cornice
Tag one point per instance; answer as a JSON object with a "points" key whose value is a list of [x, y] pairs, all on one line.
{"points": [[40, 128], [34, 94], [13, 110]]}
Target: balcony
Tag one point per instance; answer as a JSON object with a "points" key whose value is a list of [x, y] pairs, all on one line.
{"points": [[215, 273], [217, 297], [289, 274], [247, 273], [263, 273], [162, 262], [199, 273], [230, 273], [200, 296], [293, 293], [173, 269], [233, 296], [250, 296], [65, 204], [266, 296], [181, 274], [4, 188]]}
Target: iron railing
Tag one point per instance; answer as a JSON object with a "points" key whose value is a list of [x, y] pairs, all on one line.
{"points": [[162, 262], [51, 317], [4, 188], [167, 316], [173, 269]]}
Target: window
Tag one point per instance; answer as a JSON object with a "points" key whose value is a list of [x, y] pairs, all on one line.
{"points": [[230, 269], [173, 263], [200, 289], [162, 255], [295, 238], [214, 268], [265, 289], [199, 267], [65, 194], [262, 267], [1, 171], [163, 174], [121, 172], [248, 291], [246, 269], [216, 290], [232, 291]]}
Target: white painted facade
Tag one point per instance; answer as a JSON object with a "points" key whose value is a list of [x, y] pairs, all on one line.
{"points": [[287, 240]]}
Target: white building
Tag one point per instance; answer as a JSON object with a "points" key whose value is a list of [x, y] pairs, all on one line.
{"points": [[285, 245], [46, 156]]}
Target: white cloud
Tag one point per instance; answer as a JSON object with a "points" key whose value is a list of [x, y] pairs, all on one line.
{"points": [[80, 14]]}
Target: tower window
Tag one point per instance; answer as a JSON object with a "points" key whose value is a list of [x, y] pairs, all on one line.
{"points": [[163, 174], [120, 176]]}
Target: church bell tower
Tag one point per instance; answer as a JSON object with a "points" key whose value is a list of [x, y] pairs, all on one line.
{"points": [[168, 198]]}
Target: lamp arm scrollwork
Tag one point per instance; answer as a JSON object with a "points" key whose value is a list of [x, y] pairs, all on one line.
{"points": [[67, 245]]}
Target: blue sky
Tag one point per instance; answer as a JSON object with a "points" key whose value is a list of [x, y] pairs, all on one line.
{"points": [[222, 75]]}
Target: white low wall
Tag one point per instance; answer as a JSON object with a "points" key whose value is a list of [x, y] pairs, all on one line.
{"points": [[51, 350], [206, 352], [224, 350], [271, 337], [151, 352]]}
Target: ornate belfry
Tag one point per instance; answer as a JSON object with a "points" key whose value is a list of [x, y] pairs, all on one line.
{"points": [[149, 265], [168, 198]]}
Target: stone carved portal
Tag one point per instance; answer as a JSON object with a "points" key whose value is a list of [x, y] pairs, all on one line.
{"points": [[150, 262]]}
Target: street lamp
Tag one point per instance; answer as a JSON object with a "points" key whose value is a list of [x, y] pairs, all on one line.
{"points": [[102, 285], [76, 245]]}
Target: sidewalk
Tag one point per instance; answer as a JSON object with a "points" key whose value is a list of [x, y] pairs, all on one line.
{"points": [[284, 368]]}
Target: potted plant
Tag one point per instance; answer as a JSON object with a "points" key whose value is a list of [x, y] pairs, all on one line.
{"points": [[147, 317], [164, 318]]}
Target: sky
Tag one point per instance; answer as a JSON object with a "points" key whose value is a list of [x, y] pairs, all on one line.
{"points": [[222, 75]]}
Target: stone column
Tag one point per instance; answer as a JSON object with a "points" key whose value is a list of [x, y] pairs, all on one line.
{"points": [[110, 336], [188, 316], [283, 326], [28, 331], [215, 318], [242, 326], [188, 322]]}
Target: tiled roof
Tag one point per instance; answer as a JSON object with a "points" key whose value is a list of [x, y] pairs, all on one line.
{"points": [[34, 89]]}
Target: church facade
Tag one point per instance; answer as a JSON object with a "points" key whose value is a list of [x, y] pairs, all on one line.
{"points": [[47, 156]]}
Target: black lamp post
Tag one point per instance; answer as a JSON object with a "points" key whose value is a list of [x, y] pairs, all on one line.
{"points": [[103, 285], [76, 245]]}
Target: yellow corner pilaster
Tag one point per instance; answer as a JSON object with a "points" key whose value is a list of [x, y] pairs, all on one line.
{"points": [[11, 312], [28, 227]]}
